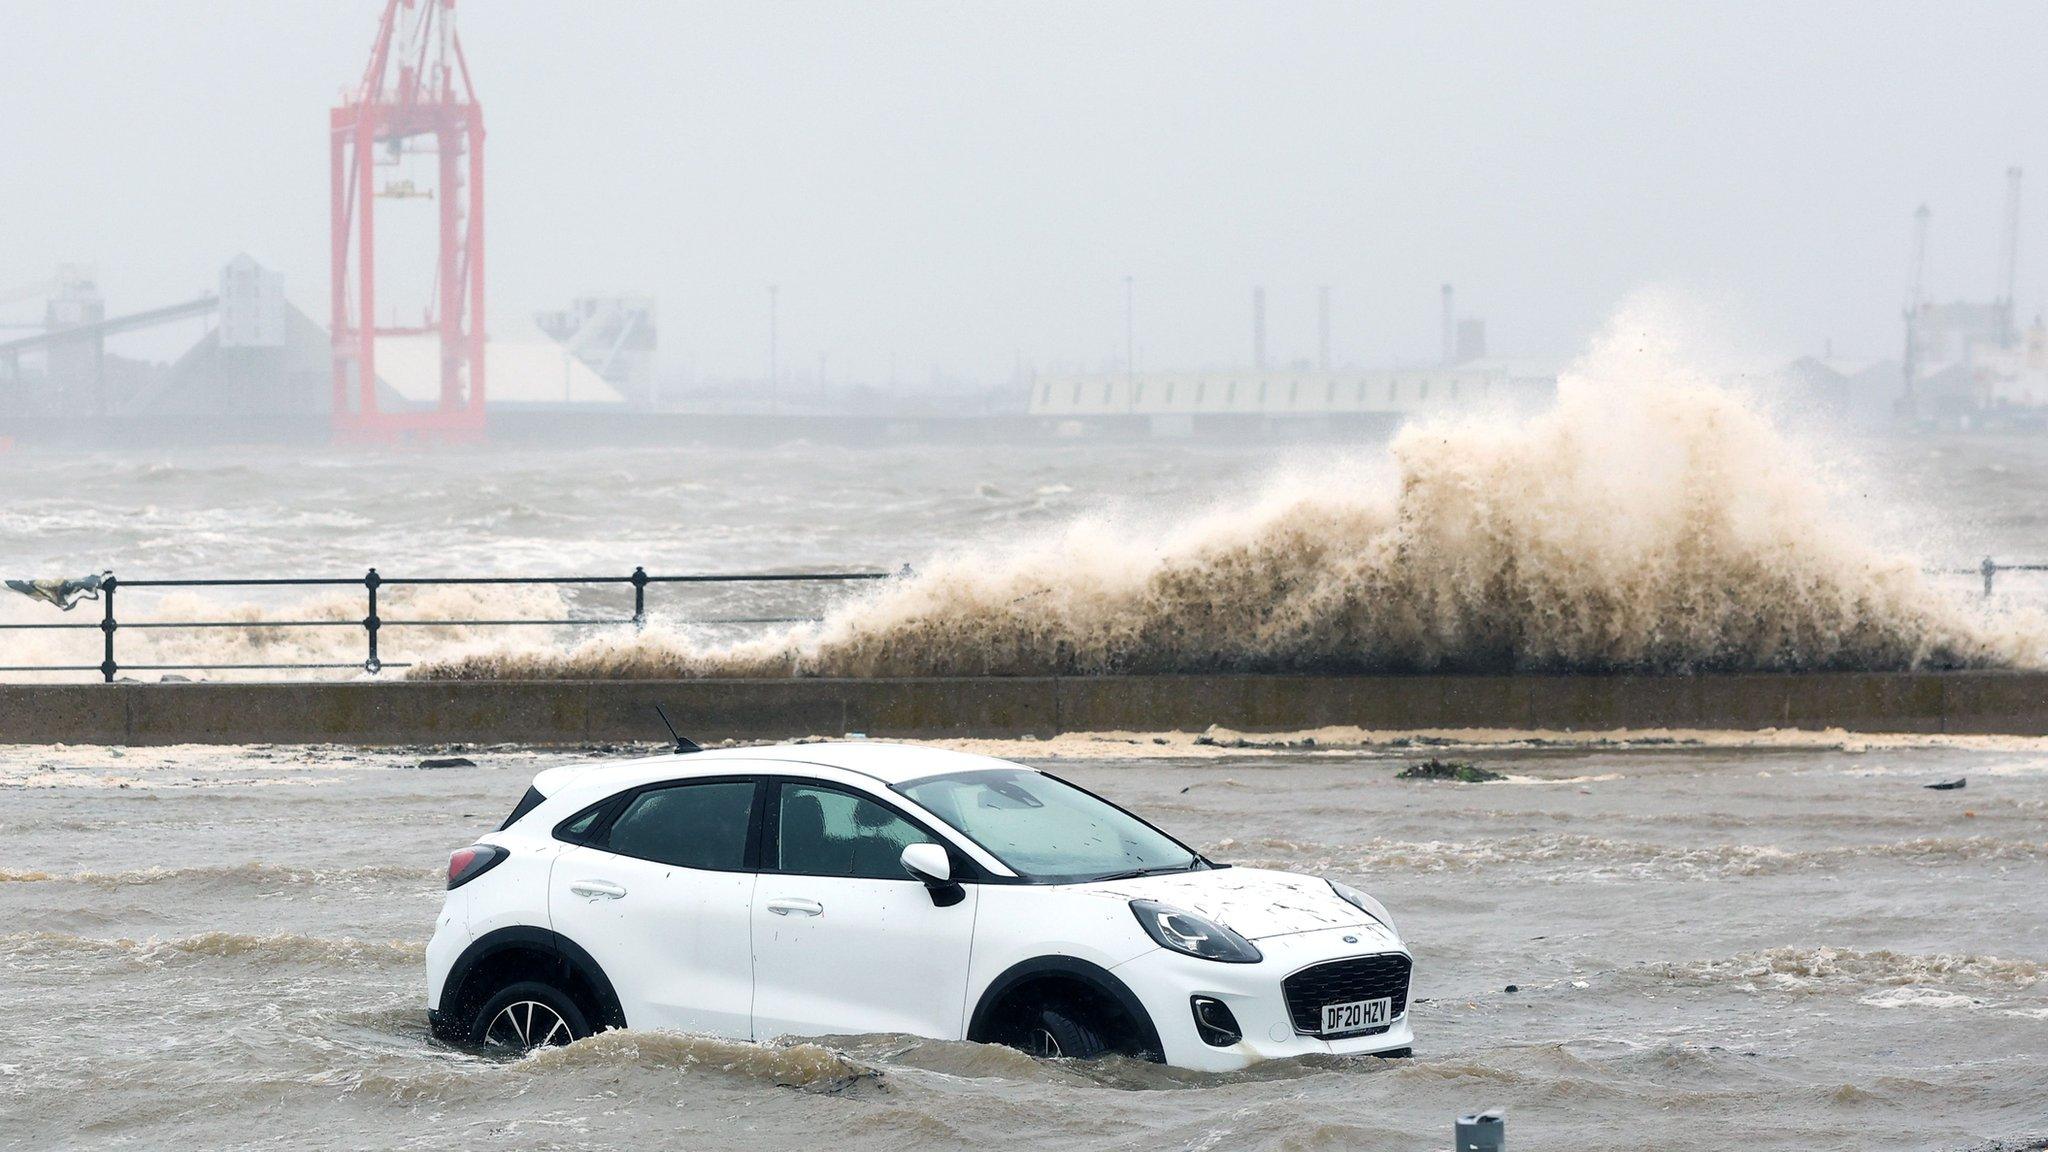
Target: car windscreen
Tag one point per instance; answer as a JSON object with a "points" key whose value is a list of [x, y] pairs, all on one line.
{"points": [[1046, 829]]}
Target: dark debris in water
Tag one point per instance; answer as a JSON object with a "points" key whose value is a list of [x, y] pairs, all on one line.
{"points": [[1947, 785], [447, 762], [1213, 738], [839, 1085], [1462, 771]]}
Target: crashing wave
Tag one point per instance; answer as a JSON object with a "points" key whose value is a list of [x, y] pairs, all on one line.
{"points": [[1651, 521]]}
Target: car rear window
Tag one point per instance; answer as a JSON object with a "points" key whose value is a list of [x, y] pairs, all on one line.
{"points": [[688, 825]]}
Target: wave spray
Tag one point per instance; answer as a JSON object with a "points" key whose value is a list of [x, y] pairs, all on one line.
{"points": [[1650, 521]]}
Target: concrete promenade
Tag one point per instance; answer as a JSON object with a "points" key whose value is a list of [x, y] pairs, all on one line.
{"points": [[582, 711]]}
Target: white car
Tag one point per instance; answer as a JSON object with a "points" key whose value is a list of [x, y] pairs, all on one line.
{"points": [[853, 888]]}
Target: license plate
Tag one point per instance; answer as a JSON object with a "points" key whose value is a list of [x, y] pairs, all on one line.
{"points": [[1357, 1014]]}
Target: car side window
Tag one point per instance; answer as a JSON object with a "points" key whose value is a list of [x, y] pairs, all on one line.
{"points": [[688, 825], [826, 832], [576, 830]]}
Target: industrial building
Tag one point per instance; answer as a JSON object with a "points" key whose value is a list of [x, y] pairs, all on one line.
{"points": [[263, 361], [409, 137], [1260, 398], [1973, 363], [1185, 403], [614, 336]]}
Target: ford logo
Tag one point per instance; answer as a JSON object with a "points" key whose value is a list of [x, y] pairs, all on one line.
{"points": [[1351, 939]]}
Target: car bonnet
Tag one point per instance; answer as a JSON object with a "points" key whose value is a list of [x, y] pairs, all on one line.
{"points": [[1253, 902]]}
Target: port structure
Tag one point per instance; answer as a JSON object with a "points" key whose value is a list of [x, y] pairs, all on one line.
{"points": [[417, 86]]}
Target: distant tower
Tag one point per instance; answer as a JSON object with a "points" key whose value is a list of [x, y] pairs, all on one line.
{"points": [[1259, 328], [1450, 328], [1910, 366], [2009, 261], [381, 121], [1130, 332], [774, 348], [1323, 328]]}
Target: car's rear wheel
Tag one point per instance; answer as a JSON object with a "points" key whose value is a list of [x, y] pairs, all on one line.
{"points": [[527, 1015], [1054, 1033]]}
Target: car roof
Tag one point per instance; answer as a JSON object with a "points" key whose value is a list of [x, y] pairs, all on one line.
{"points": [[879, 760], [887, 762]]}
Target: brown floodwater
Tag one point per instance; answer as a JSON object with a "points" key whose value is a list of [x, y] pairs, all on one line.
{"points": [[1713, 945]]}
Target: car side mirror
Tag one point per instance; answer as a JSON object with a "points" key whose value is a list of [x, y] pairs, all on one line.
{"points": [[930, 864]]}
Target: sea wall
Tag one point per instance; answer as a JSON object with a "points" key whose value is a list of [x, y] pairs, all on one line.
{"points": [[581, 711]]}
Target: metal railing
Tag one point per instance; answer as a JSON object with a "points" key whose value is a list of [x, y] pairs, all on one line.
{"points": [[1990, 569], [372, 623]]}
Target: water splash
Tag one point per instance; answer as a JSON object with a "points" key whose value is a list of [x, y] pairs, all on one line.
{"points": [[1793, 969], [1653, 520], [32, 949]]}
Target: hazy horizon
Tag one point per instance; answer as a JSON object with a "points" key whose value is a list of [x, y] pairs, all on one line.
{"points": [[959, 189]]}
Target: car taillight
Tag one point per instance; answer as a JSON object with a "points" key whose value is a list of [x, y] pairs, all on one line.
{"points": [[466, 864]]}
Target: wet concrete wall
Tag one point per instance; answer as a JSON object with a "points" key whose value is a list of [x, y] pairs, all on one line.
{"points": [[574, 712]]}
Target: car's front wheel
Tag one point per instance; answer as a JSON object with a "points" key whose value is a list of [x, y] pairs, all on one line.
{"points": [[528, 1015], [1055, 1034]]}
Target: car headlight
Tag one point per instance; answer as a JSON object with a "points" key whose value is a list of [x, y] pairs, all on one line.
{"points": [[1193, 935], [1365, 904]]}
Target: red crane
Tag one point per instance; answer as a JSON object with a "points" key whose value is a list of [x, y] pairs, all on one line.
{"points": [[421, 100]]}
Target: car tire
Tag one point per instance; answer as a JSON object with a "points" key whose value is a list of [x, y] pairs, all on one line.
{"points": [[528, 1015], [1054, 1034]]}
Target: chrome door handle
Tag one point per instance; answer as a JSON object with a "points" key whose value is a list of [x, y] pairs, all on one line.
{"points": [[597, 889], [794, 907]]}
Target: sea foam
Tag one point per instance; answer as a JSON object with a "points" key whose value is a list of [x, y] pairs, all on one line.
{"points": [[1651, 520]]}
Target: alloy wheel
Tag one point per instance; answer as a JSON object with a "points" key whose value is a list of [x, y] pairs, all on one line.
{"points": [[525, 1024]]}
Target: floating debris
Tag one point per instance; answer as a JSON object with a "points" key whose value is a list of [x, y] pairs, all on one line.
{"points": [[1462, 771]]}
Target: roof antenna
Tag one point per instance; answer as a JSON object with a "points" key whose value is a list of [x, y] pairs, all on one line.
{"points": [[684, 745]]}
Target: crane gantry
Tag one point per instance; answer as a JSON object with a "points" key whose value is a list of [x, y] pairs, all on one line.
{"points": [[417, 85]]}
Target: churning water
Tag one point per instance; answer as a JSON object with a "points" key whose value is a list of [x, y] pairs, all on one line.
{"points": [[1776, 942], [1651, 521], [1657, 519], [1788, 945]]}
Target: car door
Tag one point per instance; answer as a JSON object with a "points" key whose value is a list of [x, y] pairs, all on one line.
{"points": [[845, 941], [656, 886]]}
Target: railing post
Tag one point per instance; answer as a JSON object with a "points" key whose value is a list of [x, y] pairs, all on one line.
{"points": [[639, 596], [107, 626], [1481, 1132], [1990, 569], [371, 623]]}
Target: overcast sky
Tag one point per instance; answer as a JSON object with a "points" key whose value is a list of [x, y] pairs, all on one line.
{"points": [[963, 185]]}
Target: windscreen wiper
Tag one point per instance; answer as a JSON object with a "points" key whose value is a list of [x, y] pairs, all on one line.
{"points": [[1134, 873]]}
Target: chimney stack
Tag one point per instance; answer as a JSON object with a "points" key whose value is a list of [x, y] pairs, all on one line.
{"points": [[2009, 261], [1450, 328], [1323, 328], [1259, 329]]}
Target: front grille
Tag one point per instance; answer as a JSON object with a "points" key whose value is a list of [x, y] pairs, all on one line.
{"points": [[1342, 981]]}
